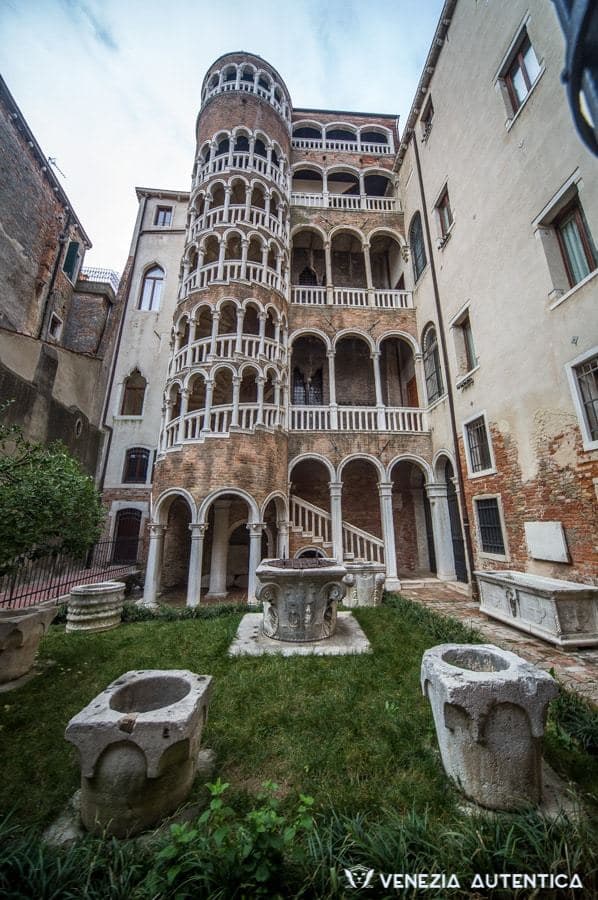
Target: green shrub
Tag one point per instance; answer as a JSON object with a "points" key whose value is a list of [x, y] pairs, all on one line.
{"points": [[444, 629], [575, 720]]}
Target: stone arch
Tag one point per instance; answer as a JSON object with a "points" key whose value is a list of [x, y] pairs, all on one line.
{"points": [[401, 335], [310, 332], [354, 332], [412, 458], [317, 457], [438, 463], [162, 504], [254, 513], [378, 465]]}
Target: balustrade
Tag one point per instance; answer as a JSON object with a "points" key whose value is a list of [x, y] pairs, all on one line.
{"points": [[381, 299], [356, 418], [197, 425], [196, 353], [356, 146], [244, 161], [239, 214], [232, 270], [249, 87], [328, 200]]}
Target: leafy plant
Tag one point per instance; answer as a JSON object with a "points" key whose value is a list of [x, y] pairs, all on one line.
{"points": [[48, 503], [224, 851], [575, 720]]}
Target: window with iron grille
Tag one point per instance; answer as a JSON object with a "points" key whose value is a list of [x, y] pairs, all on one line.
{"points": [[587, 380], [136, 463], [479, 448], [490, 525], [432, 371]]}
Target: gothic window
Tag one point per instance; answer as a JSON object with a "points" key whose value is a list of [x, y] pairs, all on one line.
{"points": [[133, 394], [418, 249], [136, 463], [151, 289]]}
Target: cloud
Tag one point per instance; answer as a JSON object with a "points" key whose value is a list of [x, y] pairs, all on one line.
{"points": [[100, 30]]}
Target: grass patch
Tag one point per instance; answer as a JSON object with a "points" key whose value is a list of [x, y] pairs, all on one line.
{"points": [[353, 732]]}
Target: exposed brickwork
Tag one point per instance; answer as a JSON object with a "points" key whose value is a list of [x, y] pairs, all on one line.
{"points": [[89, 319], [563, 491], [225, 111]]}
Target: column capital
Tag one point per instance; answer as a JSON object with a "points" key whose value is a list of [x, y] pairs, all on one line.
{"points": [[375, 354], [436, 489], [255, 528], [156, 530], [336, 488], [331, 353], [262, 316], [198, 530], [216, 315], [385, 487], [237, 379]]}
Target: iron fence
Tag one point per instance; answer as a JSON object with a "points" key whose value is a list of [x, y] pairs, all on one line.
{"points": [[34, 581]]}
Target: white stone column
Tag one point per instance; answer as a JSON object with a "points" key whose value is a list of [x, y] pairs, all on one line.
{"points": [[214, 334], [381, 417], [221, 253], [184, 405], [282, 550], [362, 202], [441, 529], [262, 332], [332, 390], [195, 564], [208, 405], [153, 569], [388, 535], [236, 390], [329, 285], [240, 320], [244, 249], [255, 555], [336, 512], [418, 365], [260, 381], [218, 561], [368, 272], [227, 193]]}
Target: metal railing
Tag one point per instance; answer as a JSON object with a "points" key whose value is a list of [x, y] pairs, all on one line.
{"points": [[104, 275], [33, 581]]}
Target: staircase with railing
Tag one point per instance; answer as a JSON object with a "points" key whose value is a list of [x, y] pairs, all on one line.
{"points": [[315, 525]]}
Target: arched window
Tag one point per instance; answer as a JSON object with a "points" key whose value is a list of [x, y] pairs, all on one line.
{"points": [[136, 463], [133, 394], [151, 289], [418, 248], [432, 371]]}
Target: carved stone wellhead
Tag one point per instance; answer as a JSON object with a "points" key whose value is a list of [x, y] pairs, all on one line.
{"points": [[300, 598]]}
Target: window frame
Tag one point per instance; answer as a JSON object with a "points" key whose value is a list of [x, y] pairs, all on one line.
{"points": [[444, 213], [574, 211], [518, 63], [589, 443], [465, 348], [154, 304], [503, 80], [123, 396], [130, 473], [436, 373], [488, 554], [491, 469], [72, 273], [423, 256], [160, 210]]}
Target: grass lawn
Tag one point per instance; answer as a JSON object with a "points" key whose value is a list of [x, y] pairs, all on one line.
{"points": [[352, 732]]}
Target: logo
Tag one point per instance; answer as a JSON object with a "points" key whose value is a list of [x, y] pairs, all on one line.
{"points": [[359, 877]]}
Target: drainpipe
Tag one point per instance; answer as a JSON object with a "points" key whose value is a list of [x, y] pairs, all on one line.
{"points": [[121, 325], [459, 468], [62, 238]]}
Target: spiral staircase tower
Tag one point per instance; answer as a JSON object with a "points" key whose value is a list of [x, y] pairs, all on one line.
{"points": [[223, 432]]}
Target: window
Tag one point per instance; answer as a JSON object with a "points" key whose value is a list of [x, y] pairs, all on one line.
{"points": [[575, 242], [490, 529], [426, 119], [151, 289], [133, 394], [136, 463], [583, 378], [308, 277], [54, 327], [418, 249], [163, 217], [72, 259], [477, 446], [432, 371], [307, 391], [444, 213], [464, 345], [521, 72]]}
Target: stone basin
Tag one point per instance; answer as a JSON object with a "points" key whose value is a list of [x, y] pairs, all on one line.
{"points": [[95, 607], [489, 709], [300, 598], [138, 744], [21, 630]]}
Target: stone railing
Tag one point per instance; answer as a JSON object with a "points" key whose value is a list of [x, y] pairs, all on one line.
{"points": [[316, 523], [356, 146], [240, 214], [233, 270], [357, 418], [246, 162], [328, 200], [250, 87], [227, 346], [339, 296], [197, 425]]}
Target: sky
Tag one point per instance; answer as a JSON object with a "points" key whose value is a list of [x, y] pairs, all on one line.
{"points": [[111, 88]]}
